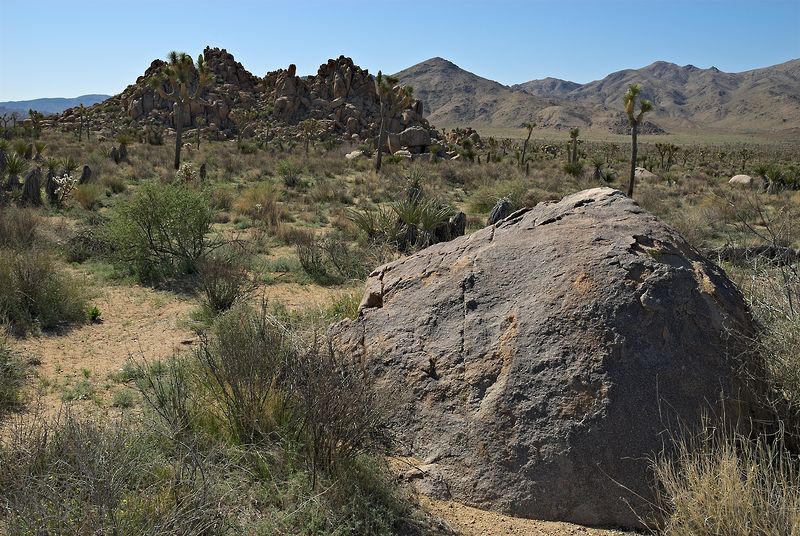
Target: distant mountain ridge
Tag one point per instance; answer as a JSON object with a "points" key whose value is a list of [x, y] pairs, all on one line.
{"points": [[50, 105], [685, 97]]}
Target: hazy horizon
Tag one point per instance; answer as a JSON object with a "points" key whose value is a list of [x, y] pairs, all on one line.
{"points": [[510, 42]]}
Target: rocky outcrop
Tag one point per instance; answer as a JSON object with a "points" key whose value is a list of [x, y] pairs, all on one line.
{"points": [[231, 85], [341, 96], [541, 360], [642, 174]]}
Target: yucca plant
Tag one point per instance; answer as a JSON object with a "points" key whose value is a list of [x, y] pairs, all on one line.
{"points": [[39, 146], [70, 165], [16, 165]]}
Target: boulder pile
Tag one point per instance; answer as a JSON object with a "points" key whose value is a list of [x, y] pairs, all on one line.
{"points": [[341, 97]]}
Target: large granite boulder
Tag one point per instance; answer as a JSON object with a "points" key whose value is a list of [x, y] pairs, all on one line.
{"points": [[544, 359]]}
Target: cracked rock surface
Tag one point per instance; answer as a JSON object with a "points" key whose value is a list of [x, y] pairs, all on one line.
{"points": [[539, 362]]}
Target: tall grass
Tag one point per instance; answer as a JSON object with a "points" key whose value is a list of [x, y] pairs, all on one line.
{"points": [[729, 484]]}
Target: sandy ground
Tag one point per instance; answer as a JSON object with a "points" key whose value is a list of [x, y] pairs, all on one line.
{"points": [[137, 323], [468, 521]]}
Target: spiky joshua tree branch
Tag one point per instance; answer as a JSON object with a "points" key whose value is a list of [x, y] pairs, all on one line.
{"points": [[174, 84], [635, 121]]}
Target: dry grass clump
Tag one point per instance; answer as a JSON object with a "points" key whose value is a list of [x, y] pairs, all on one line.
{"points": [[260, 202], [717, 484], [88, 195], [34, 294]]}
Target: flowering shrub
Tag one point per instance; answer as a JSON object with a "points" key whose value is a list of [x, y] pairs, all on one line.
{"points": [[65, 185]]}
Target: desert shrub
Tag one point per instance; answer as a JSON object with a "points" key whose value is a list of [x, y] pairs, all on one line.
{"points": [[244, 362], [114, 183], [327, 190], [717, 483], [19, 227], [86, 243], [289, 172], [223, 278], [222, 198], [78, 476], [574, 169], [247, 147], [88, 195], [483, 198], [167, 388], [13, 372], [342, 414], [161, 231], [33, 293], [262, 203], [332, 258]]}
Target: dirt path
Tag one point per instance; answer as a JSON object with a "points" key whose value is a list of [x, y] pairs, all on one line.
{"points": [[468, 521], [136, 322]]}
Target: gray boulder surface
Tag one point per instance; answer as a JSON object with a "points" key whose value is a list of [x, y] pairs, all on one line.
{"points": [[543, 360], [499, 212]]}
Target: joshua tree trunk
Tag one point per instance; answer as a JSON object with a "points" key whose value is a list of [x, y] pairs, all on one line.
{"points": [[178, 132], [574, 157], [381, 134], [634, 129], [525, 147]]}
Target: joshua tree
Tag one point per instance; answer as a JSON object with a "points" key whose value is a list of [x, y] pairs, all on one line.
{"points": [[83, 122], [392, 98], [745, 154], [529, 126], [200, 122], [36, 122], [178, 75], [244, 120], [635, 121], [666, 150], [309, 127], [573, 136]]}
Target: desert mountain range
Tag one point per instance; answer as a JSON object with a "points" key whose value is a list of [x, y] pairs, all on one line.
{"points": [[765, 100], [685, 97], [49, 105]]}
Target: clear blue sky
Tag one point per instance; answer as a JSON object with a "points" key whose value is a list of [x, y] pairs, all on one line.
{"points": [[66, 48]]}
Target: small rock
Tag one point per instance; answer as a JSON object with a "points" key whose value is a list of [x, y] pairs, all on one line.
{"points": [[745, 181]]}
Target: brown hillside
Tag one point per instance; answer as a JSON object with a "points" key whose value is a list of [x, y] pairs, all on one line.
{"points": [[688, 97]]}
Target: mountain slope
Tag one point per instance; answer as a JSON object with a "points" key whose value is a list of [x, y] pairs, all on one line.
{"points": [[453, 96], [688, 96], [685, 97], [547, 87], [50, 105]]}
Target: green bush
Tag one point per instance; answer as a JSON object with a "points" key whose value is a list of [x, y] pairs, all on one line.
{"points": [[161, 231], [33, 293], [289, 172], [331, 259], [88, 195]]}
